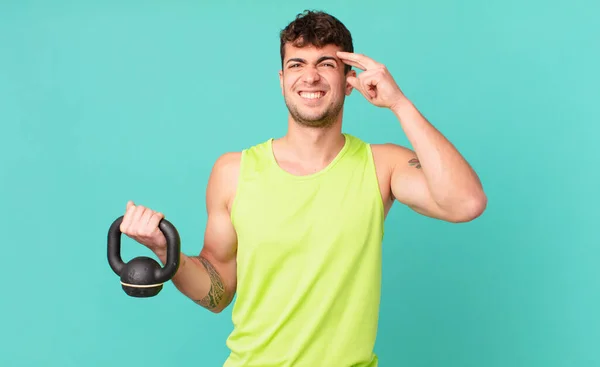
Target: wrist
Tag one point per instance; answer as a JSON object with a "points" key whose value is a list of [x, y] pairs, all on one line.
{"points": [[161, 254], [401, 106]]}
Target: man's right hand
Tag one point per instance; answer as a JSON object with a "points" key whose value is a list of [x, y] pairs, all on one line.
{"points": [[141, 224]]}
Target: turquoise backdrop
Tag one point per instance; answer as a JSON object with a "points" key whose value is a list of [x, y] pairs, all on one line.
{"points": [[106, 101]]}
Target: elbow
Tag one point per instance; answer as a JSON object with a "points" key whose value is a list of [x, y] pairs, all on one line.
{"points": [[471, 208], [216, 309], [220, 306]]}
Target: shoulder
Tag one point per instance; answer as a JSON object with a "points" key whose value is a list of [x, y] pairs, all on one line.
{"points": [[226, 171], [391, 149], [228, 163], [226, 166], [389, 154], [223, 178], [381, 150]]}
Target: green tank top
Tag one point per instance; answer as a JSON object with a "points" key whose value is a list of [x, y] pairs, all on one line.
{"points": [[309, 262]]}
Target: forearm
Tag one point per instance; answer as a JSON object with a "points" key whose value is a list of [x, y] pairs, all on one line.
{"points": [[452, 182], [198, 280]]}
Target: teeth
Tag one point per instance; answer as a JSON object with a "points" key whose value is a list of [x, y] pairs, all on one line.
{"points": [[312, 95]]}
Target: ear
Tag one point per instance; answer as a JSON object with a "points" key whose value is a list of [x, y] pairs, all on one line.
{"points": [[348, 86], [281, 81]]}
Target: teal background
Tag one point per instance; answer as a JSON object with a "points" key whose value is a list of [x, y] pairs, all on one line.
{"points": [[106, 101]]}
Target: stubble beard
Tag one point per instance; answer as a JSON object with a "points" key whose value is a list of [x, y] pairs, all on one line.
{"points": [[323, 120]]}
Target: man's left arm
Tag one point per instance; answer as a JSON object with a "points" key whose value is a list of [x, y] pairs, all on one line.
{"points": [[435, 179]]}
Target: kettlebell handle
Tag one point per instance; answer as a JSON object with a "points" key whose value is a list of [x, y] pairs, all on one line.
{"points": [[173, 249]]}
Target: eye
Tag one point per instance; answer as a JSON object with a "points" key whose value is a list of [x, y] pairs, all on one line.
{"points": [[294, 65], [329, 64]]}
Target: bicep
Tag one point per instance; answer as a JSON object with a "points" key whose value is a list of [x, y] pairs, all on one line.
{"points": [[409, 184], [409, 187], [220, 238]]}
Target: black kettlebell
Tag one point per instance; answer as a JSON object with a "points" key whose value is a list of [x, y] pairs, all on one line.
{"points": [[143, 276]]}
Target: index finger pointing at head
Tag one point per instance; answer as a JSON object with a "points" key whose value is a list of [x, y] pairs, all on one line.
{"points": [[362, 60], [353, 63]]}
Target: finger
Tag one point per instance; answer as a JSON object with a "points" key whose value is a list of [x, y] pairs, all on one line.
{"points": [[358, 59], [353, 63], [155, 220], [145, 218], [370, 86], [366, 86], [126, 223], [136, 219], [355, 83]]}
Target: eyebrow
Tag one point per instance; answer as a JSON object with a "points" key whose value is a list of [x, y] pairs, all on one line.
{"points": [[320, 60]]}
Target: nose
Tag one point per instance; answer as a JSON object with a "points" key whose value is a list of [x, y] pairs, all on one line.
{"points": [[311, 75]]}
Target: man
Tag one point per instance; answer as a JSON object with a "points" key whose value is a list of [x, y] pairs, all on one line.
{"points": [[295, 224]]}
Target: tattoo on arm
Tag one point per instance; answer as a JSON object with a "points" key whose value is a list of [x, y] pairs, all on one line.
{"points": [[415, 162], [217, 289]]}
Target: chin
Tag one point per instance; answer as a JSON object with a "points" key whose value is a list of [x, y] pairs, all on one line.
{"points": [[317, 121], [317, 116]]}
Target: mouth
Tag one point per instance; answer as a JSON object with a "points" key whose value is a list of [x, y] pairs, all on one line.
{"points": [[313, 95]]}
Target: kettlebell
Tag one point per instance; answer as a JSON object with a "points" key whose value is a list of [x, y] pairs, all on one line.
{"points": [[143, 276]]}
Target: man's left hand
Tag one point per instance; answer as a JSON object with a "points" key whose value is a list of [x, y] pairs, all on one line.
{"points": [[375, 82]]}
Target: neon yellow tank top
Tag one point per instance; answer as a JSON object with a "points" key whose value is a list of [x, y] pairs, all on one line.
{"points": [[309, 262]]}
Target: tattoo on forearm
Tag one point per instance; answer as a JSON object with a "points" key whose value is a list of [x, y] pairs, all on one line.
{"points": [[415, 163], [217, 289]]}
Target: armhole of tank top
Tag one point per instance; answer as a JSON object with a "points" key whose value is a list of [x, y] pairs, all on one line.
{"points": [[373, 169], [241, 176]]}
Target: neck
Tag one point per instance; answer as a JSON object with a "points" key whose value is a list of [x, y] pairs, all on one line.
{"points": [[311, 145]]}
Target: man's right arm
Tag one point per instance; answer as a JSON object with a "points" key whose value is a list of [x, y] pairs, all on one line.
{"points": [[210, 279]]}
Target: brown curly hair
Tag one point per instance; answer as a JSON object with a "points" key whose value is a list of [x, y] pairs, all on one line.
{"points": [[316, 28]]}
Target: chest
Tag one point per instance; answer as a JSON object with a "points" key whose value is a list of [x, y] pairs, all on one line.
{"points": [[306, 218]]}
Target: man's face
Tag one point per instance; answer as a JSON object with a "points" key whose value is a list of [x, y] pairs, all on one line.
{"points": [[313, 84]]}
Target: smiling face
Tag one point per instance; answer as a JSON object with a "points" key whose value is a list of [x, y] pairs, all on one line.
{"points": [[313, 83]]}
